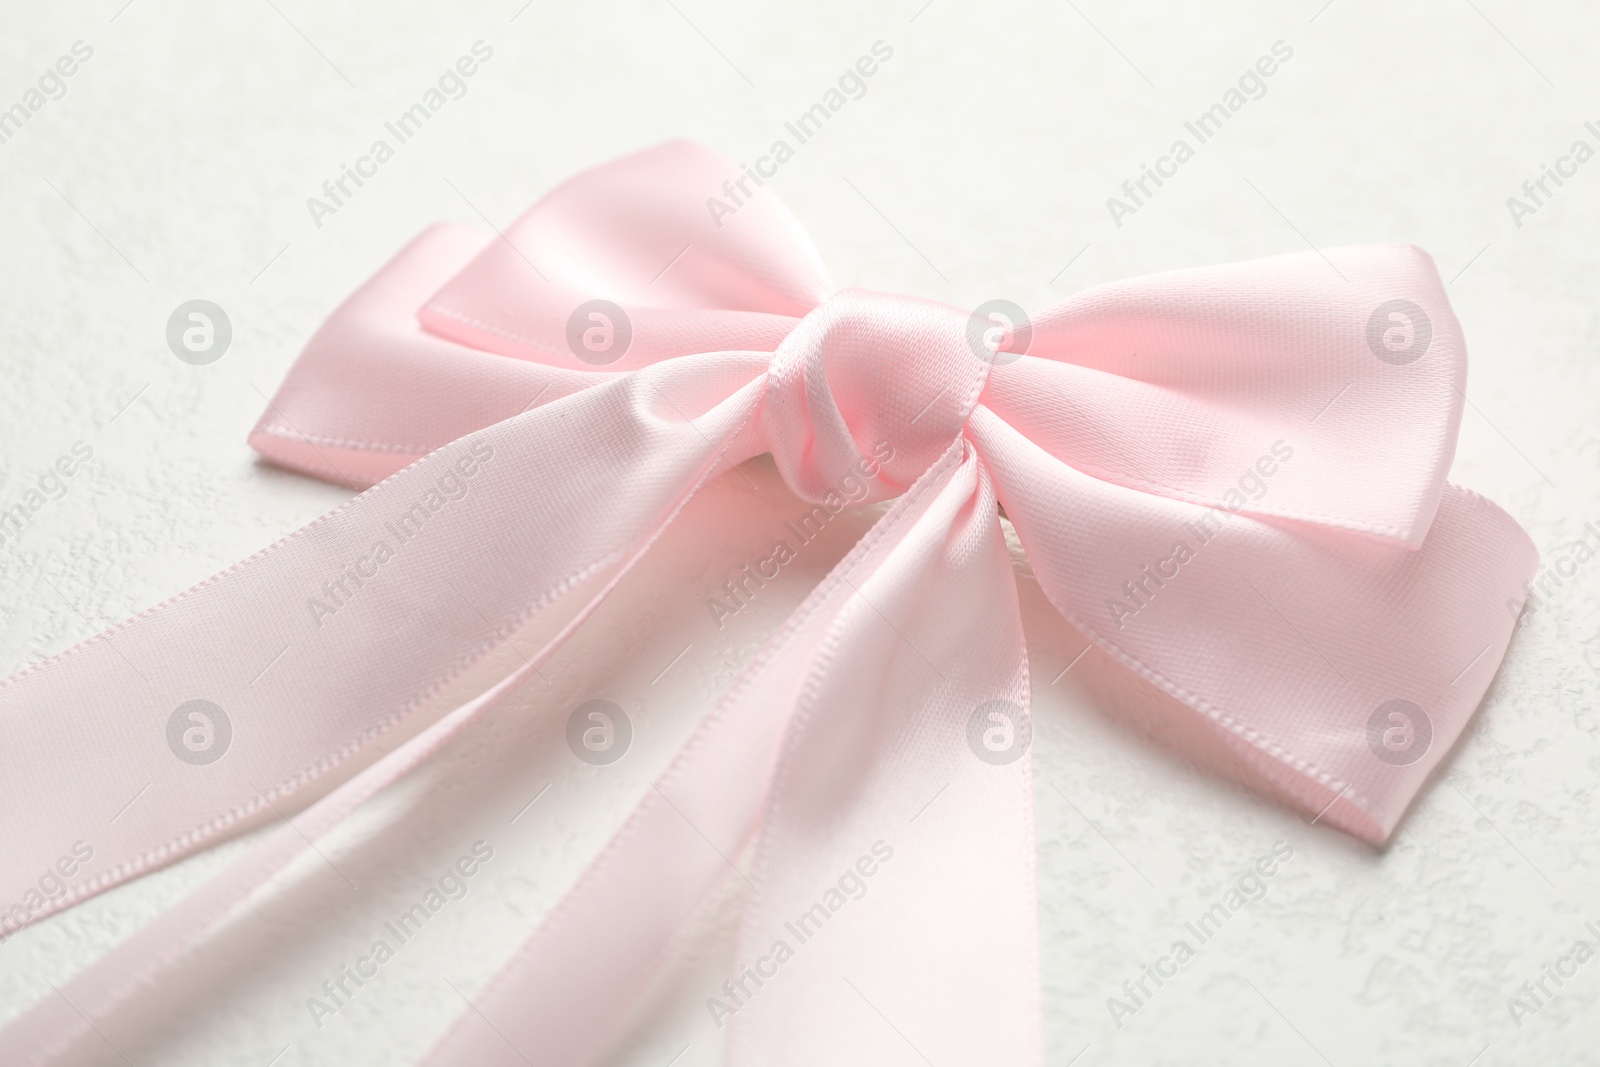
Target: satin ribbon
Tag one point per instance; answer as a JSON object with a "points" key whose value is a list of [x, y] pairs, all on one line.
{"points": [[1232, 479]]}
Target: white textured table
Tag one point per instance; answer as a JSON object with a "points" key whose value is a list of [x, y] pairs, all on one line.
{"points": [[177, 163]]}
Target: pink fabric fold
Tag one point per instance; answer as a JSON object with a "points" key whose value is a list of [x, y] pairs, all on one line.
{"points": [[1230, 478]]}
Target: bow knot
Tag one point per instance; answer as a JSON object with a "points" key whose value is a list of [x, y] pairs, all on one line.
{"points": [[869, 387]]}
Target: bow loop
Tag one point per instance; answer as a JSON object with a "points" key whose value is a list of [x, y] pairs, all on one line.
{"points": [[1196, 384], [866, 393], [632, 241]]}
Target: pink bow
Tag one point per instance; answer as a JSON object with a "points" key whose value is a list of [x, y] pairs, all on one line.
{"points": [[1229, 478]]}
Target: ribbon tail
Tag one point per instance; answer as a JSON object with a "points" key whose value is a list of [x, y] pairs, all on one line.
{"points": [[565, 992], [901, 818], [506, 542], [48, 1029]]}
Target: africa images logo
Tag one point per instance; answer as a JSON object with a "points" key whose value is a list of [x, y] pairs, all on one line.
{"points": [[999, 732], [1251, 85], [51, 85], [599, 732], [1139, 591], [1248, 888], [451, 85], [199, 733], [736, 192], [1399, 732], [452, 485], [851, 885]]}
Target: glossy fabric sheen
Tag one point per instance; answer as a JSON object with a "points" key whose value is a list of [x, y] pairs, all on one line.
{"points": [[1245, 412]]}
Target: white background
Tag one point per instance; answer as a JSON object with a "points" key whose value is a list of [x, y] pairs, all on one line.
{"points": [[178, 164]]}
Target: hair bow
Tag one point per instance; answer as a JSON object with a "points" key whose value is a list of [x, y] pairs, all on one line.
{"points": [[1232, 479]]}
